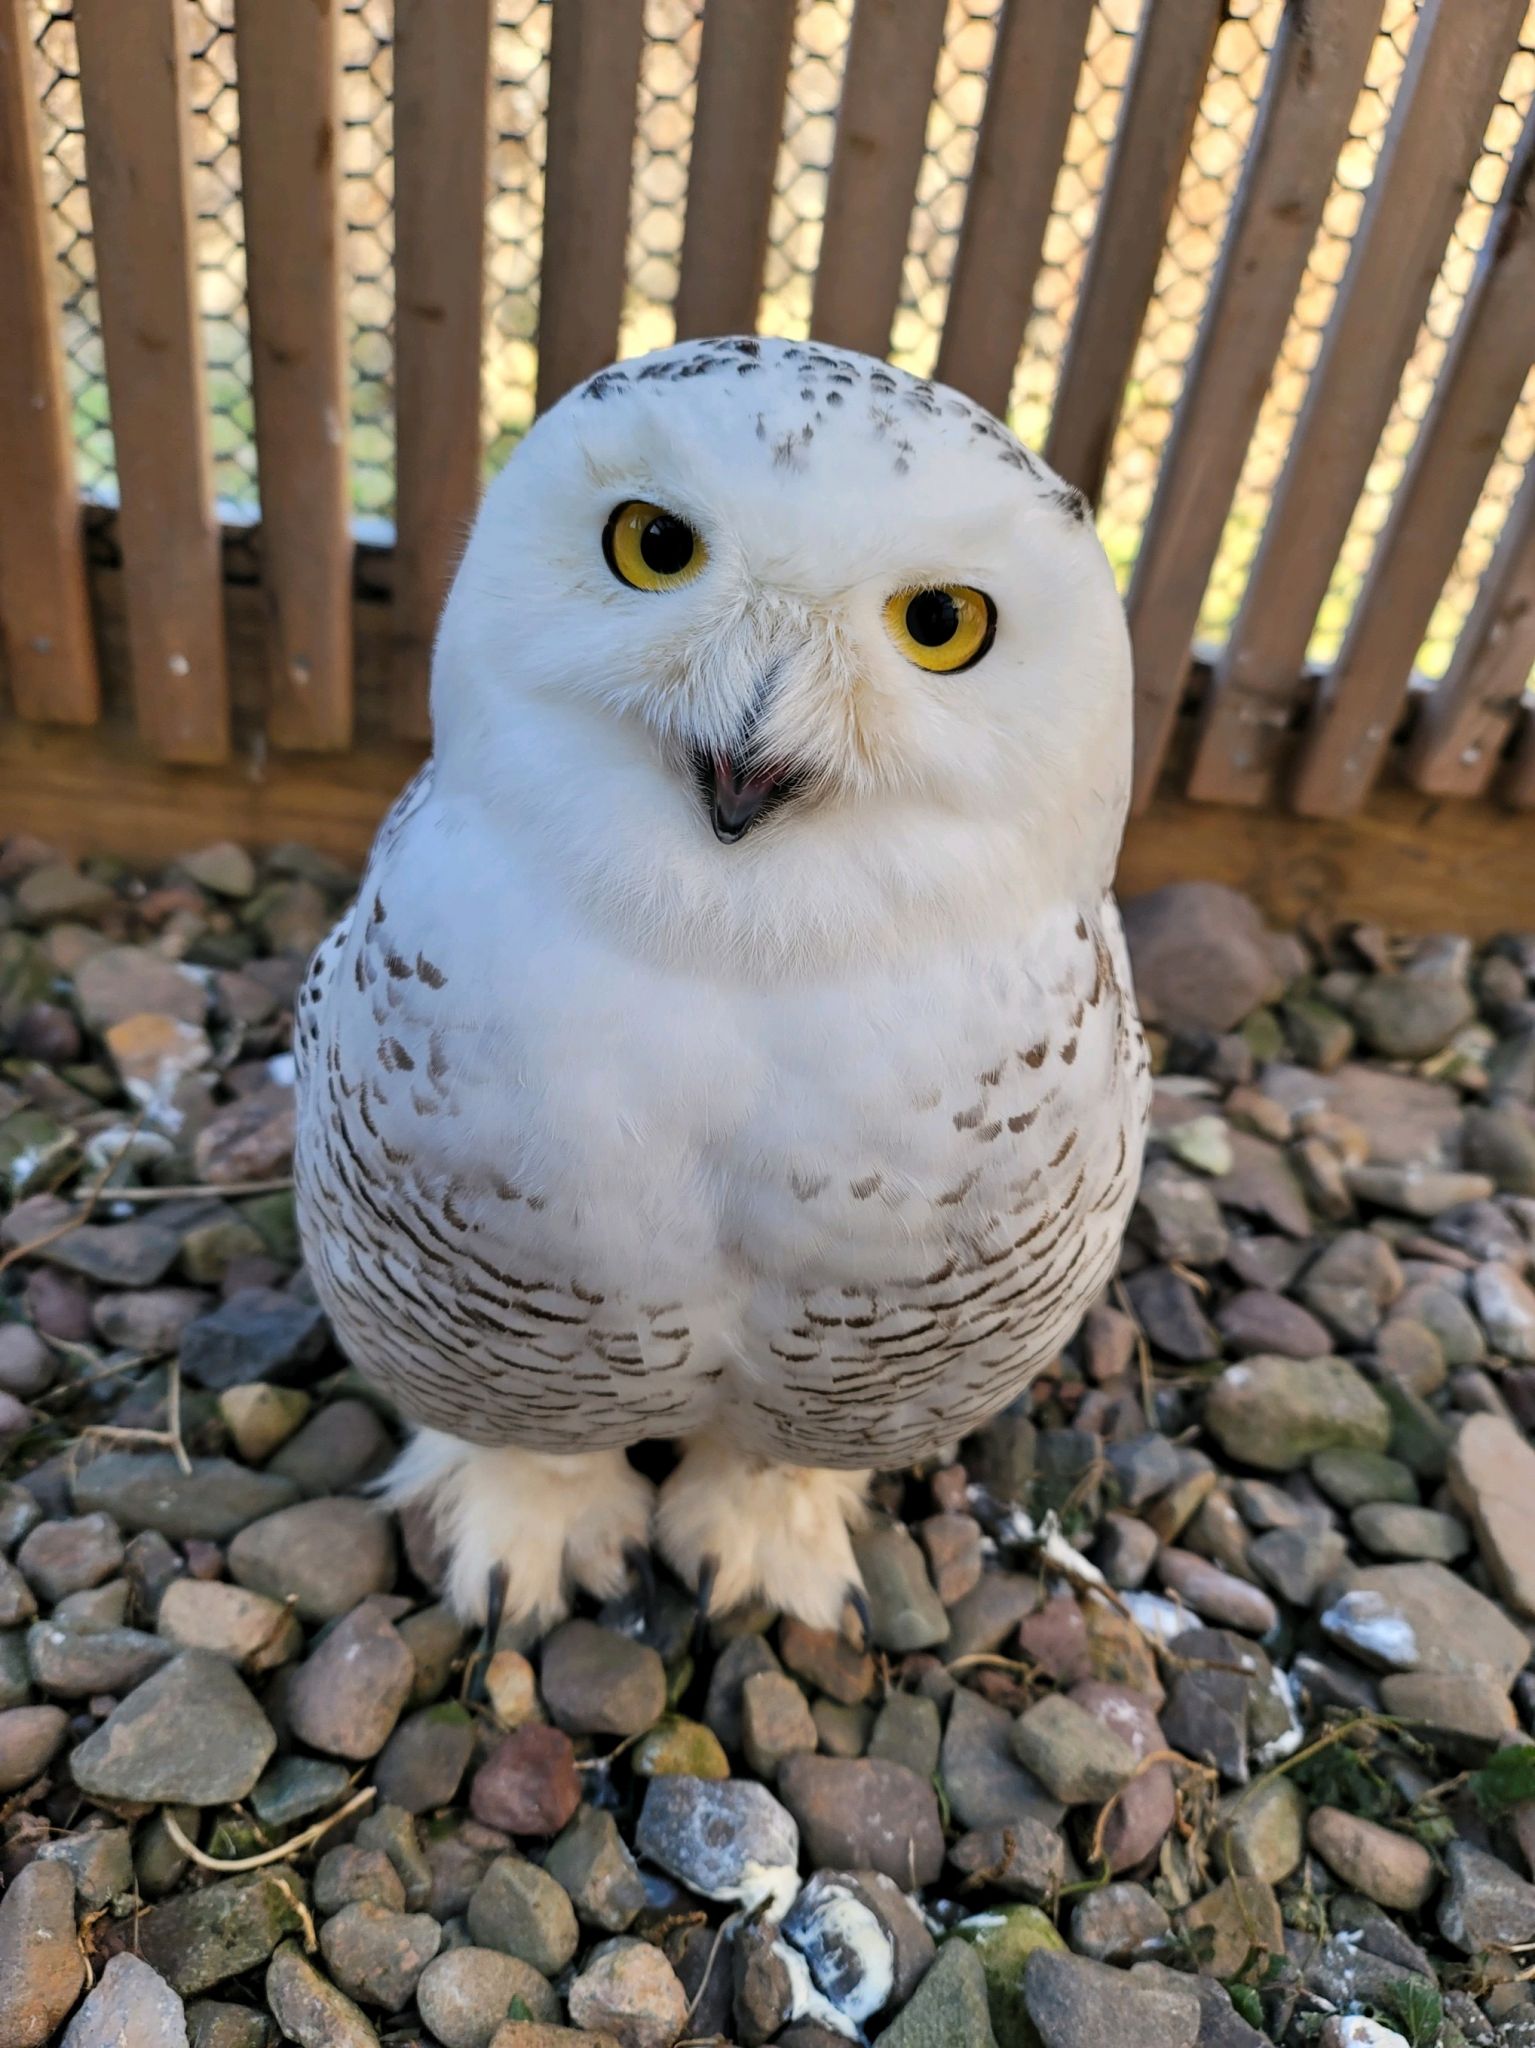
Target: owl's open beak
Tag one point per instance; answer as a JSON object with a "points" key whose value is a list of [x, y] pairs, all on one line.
{"points": [[737, 791]]}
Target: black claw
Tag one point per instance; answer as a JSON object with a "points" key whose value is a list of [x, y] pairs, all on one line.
{"points": [[858, 1600], [640, 1562], [708, 1572], [496, 1585]]}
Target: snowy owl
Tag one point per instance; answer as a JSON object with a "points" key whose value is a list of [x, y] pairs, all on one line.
{"points": [[732, 1041]]}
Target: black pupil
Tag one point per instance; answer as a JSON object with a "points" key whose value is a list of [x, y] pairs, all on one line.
{"points": [[666, 545], [932, 618]]}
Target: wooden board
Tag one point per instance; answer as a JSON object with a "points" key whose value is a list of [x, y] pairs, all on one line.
{"points": [[887, 91], [1167, 80], [288, 70], [441, 126], [1029, 101], [1477, 389], [1463, 725], [1519, 787], [1312, 81], [134, 87], [594, 71], [1454, 68], [743, 69], [45, 623]]}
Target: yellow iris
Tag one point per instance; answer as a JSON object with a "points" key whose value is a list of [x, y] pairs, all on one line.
{"points": [[943, 627], [650, 548]]}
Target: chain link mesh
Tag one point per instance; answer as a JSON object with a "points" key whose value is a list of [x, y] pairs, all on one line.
{"points": [[663, 128]]}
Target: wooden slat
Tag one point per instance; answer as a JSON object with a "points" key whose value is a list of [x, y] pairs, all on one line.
{"points": [[743, 70], [288, 68], [1156, 123], [1453, 70], [881, 127], [594, 70], [1313, 79], [441, 82], [1519, 791], [1479, 384], [1024, 126], [133, 81], [45, 621], [1464, 723]]}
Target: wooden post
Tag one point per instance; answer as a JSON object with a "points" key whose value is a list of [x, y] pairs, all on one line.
{"points": [[45, 621], [887, 91], [594, 75], [133, 84], [1024, 127], [288, 69], [743, 70], [1172, 56], [1313, 79], [1463, 724], [441, 87], [1477, 389], [1519, 790], [1454, 67]]}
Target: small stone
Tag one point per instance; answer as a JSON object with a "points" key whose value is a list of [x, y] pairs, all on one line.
{"points": [[592, 1863], [1409, 1016], [77, 1664], [677, 1747], [198, 1939], [1257, 1323], [464, 1994], [1389, 1530], [191, 1735], [1125, 1551], [722, 1839], [1143, 1467], [254, 1632], [213, 2024], [376, 1955], [983, 1781], [67, 1556], [1055, 1638], [1394, 1870], [1238, 1917], [740, 1659], [1275, 1413], [296, 1787], [597, 1682], [309, 2009], [949, 2008], [1485, 1905], [56, 890], [1073, 1754], [261, 1417], [1216, 1595], [153, 1055], [511, 1686], [1004, 1940], [907, 1730], [124, 981], [328, 1555], [1499, 1141], [1467, 1715], [762, 1988], [1409, 1351], [1262, 1832], [529, 1784], [865, 1815], [775, 1722], [864, 1942], [258, 1334], [1492, 1476], [519, 1909], [224, 868], [347, 1695], [1298, 1563], [629, 1990], [1077, 2003], [1168, 1310], [840, 1730], [1352, 1478], [1200, 956], [1025, 1859], [345, 1445], [1506, 1305], [41, 1966], [251, 1139], [211, 1503], [130, 2004], [907, 1613], [349, 1875], [27, 1366], [1178, 1218], [984, 1619], [424, 1761], [952, 1543], [30, 1738], [1120, 1923], [19, 1513], [1420, 1617], [1352, 1284]]}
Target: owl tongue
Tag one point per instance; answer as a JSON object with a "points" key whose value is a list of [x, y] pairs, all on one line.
{"points": [[739, 797]]}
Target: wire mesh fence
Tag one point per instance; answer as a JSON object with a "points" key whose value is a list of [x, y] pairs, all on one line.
{"points": [[663, 126]]}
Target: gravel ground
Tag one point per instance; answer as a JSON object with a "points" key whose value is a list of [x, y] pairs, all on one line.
{"points": [[1197, 1703]]}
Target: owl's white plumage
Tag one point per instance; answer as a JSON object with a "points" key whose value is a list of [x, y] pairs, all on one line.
{"points": [[807, 1150]]}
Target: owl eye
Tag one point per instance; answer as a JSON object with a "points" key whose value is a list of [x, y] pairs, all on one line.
{"points": [[651, 549], [943, 628]]}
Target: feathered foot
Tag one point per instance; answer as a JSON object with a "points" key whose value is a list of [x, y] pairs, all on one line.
{"points": [[540, 1524], [772, 1532]]}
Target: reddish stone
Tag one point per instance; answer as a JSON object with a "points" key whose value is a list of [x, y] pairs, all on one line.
{"points": [[1056, 1639], [59, 1307], [1144, 1811], [529, 1784]]}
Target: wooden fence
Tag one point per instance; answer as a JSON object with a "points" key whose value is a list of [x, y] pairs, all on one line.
{"points": [[173, 677]]}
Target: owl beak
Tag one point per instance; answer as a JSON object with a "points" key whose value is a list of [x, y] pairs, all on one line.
{"points": [[737, 797]]}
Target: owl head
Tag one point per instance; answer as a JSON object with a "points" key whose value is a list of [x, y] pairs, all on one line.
{"points": [[760, 630]]}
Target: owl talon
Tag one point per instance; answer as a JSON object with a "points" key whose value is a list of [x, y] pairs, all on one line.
{"points": [[703, 1597], [643, 1567], [497, 1584], [862, 1638]]}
